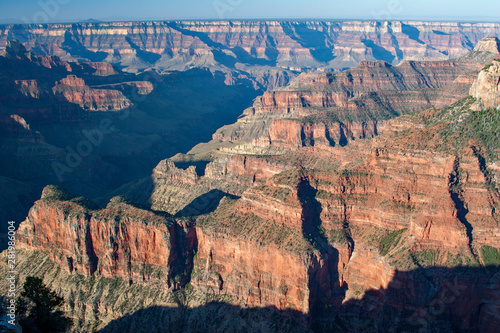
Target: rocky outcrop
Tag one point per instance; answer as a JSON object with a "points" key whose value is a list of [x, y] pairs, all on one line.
{"points": [[488, 44], [119, 241], [74, 90], [328, 109], [175, 188], [367, 269], [486, 88], [28, 88], [102, 68]]}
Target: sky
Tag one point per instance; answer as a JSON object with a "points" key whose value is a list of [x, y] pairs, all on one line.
{"points": [[44, 11]]}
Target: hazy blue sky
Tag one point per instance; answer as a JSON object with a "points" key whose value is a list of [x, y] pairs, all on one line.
{"points": [[41, 11]]}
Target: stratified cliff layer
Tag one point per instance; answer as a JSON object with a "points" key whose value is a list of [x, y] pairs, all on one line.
{"points": [[329, 109], [242, 45]]}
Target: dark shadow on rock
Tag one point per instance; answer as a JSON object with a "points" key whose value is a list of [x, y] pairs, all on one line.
{"points": [[311, 39], [224, 58], [331, 141], [146, 56], [456, 195], [437, 299], [379, 52], [204, 204], [412, 32], [77, 50], [212, 317], [311, 216], [441, 33], [343, 138], [89, 247], [324, 286], [183, 237]]}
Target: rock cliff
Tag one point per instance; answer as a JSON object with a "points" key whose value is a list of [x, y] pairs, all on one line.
{"points": [[329, 109], [251, 48], [74, 90], [94, 127], [119, 241], [487, 86]]}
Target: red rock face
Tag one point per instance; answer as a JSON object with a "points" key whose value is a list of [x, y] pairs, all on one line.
{"points": [[102, 68], [286, 133], [294, 135], [276, 203], [341, 89], [101, 243], [252, 275], [74, 90], [433, 225], [136, 245], [368, 270]]}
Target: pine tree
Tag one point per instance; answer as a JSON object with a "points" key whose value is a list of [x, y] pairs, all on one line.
{"points": [[39, 308]]}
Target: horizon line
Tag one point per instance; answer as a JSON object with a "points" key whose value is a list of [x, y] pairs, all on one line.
{"points": [[97, 21]]}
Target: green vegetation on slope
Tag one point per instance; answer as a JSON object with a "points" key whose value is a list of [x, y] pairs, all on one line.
{"points": [[490, 255], [390, 240], [462, 127]]}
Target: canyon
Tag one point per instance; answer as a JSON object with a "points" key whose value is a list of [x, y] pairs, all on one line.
{"points": [[268, 52], [296, 36], [75, 123], [361, 200]]}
